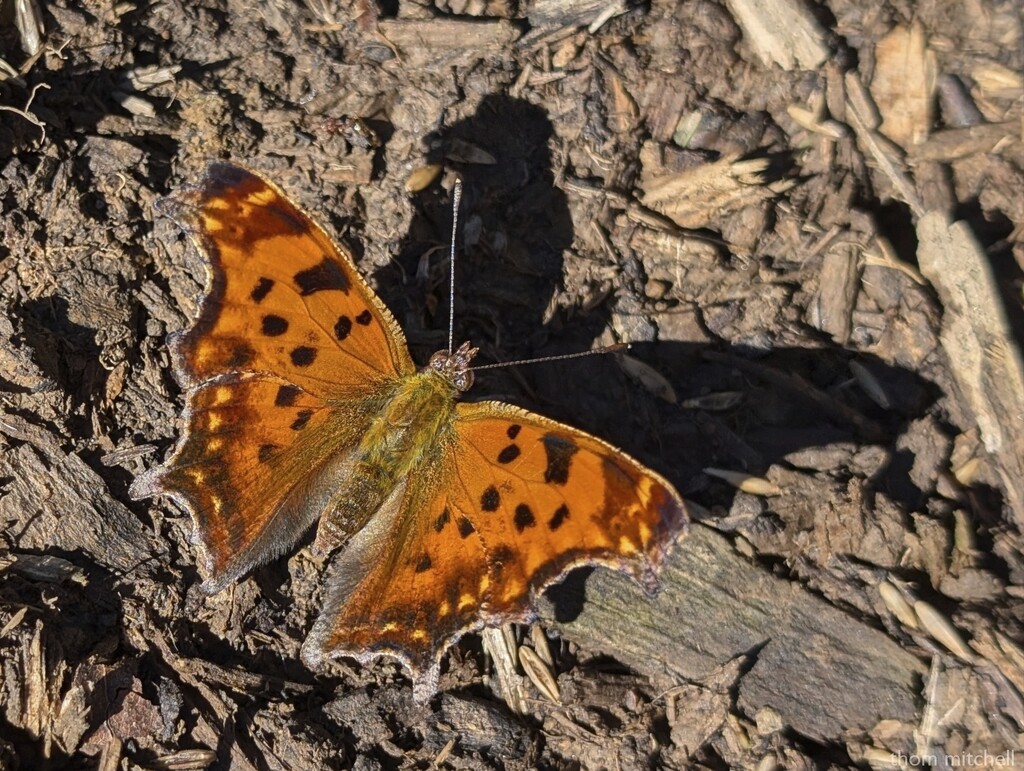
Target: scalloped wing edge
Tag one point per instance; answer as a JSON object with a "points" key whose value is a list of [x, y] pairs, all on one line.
{"points": [[425, 676]]}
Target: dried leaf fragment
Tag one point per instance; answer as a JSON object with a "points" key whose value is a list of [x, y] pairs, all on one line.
{"points": [[697, 196], [942, 629], [540, 674]]}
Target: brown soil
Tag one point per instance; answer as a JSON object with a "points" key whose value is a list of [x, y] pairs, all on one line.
{"points": [[714, 189]]}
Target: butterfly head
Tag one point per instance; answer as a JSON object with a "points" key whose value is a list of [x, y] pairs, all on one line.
{"points": [[455, 366]]}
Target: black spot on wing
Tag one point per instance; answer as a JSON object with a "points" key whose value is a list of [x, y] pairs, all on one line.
{"points": [[364, 318], [513, 430], [443, 519], [261, 290], [274, 325], [327, 274], [424, 564], [303, 356], [499, 556], [286, 395], [491, 499], [509, 454], [241, 355], [267, 451], [343, 327], [561, 514], [301, 419], [523, 517], [559, 452], [465, 527]]}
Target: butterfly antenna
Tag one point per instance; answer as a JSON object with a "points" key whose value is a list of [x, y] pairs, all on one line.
{"points": [[456, 200], [603, 349]]}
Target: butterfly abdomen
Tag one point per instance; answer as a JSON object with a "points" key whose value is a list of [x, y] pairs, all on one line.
{"points": [[413, 425]]}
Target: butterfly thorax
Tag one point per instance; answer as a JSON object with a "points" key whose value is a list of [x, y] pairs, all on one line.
{"points": [[412, 424], [417, 414]]}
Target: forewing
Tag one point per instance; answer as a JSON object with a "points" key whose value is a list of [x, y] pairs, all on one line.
{"points": [[283, 299]]}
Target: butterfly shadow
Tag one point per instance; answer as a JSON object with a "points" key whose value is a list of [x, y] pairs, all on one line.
{"points": [[514, 227]]}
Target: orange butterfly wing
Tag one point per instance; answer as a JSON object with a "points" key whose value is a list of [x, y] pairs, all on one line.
{"points": [[510, 502], [283, 299], [285, 367], [550, 498]]}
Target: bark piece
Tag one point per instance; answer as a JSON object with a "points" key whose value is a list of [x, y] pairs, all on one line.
{"points": [[978, 340], [837, 293], [55, 501], [826, 673]]}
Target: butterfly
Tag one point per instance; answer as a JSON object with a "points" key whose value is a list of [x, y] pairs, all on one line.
{"points": [[303, 406]]}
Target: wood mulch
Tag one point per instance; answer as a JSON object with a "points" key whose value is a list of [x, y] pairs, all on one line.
{"points": [[807, 218]]}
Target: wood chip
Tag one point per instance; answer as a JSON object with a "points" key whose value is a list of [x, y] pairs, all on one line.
{"points": [[979, 342], [996, 80], [552, 14], [837, 292], [888, 157], [953, 144], [447, 42], [903, 86], [782, 32], [14, 622], [509, 683], [445, 752], [185, 760], [622, 110]]}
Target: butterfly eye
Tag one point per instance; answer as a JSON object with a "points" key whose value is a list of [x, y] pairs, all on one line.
{"points": [[439, 361]]}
